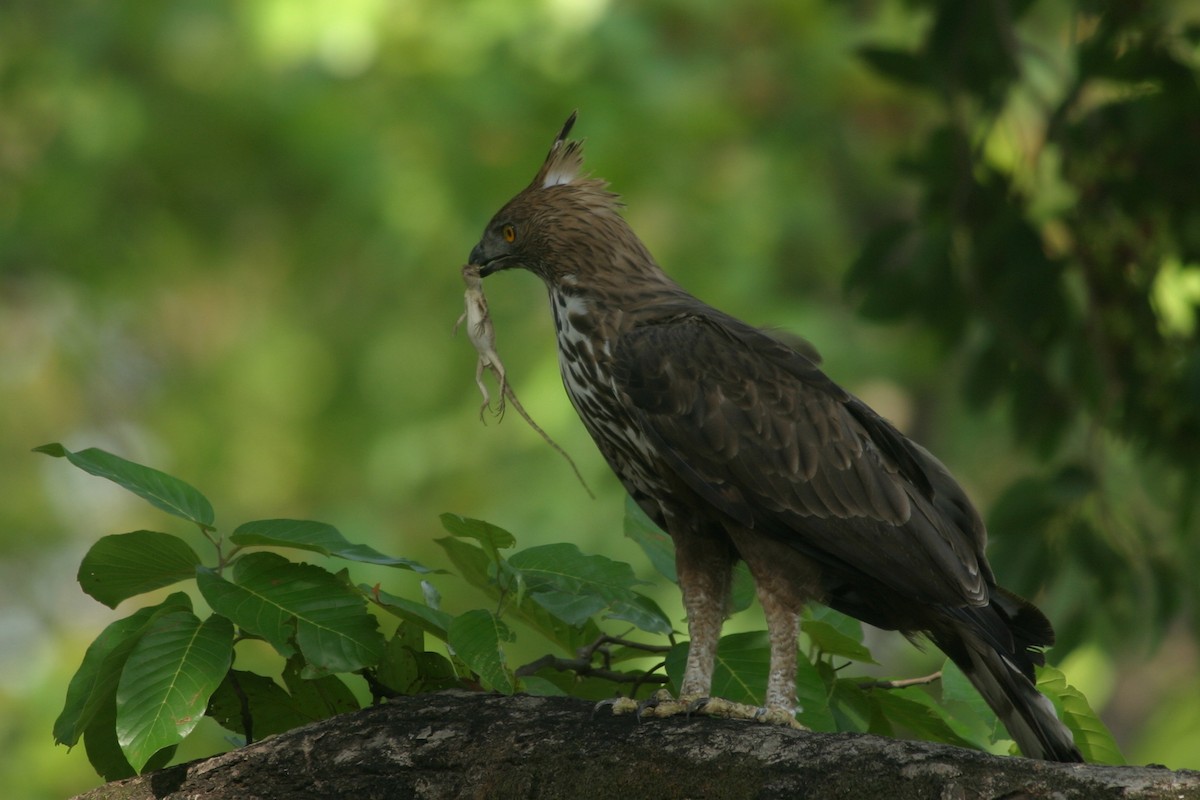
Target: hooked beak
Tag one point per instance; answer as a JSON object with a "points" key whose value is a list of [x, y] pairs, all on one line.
{"points": [[488, 265]]}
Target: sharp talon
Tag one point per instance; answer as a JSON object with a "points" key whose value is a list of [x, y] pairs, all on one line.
{"points": [[619, 705], [648, 703], [610, 702], [697, 705]]}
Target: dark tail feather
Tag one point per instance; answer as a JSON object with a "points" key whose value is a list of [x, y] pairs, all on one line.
{"points": [[990, 645]]}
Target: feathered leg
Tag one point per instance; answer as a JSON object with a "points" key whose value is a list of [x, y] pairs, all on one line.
{"points": [[704, 558], [784, 581], [704, 565]]}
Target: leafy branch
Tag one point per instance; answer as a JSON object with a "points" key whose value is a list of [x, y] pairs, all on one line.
{"points": [[150, 677]]}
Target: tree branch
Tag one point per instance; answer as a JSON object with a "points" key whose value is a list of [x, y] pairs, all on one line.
{"points": [[473, 745], [581, 665]]}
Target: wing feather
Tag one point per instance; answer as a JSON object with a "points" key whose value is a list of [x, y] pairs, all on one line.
{"points": [[758, 431]]}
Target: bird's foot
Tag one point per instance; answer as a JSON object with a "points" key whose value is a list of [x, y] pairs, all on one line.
{"points": [[663, 704]]}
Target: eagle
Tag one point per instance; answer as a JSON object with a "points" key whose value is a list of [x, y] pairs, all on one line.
{"points": [[741, 448]]}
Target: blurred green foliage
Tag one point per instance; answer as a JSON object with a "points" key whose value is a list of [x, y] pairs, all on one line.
{"points": [[230, 237]]}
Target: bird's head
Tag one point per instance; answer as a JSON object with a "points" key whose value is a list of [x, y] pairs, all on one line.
{"points": [[562, 224]]}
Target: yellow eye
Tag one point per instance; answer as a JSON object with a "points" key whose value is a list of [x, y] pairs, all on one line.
{"points": [[509, 233]]}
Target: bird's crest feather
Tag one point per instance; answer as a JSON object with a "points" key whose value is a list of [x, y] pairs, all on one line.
{"points": [[564, 167], [563, 162]]}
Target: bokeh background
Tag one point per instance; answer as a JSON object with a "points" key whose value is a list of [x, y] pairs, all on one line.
{"points": [[230, 236]]}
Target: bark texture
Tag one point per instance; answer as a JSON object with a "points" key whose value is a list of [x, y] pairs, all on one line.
{"points": [[462, 745]]}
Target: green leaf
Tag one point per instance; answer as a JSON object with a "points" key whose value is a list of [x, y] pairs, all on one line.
{"points": [[492, 537], [743, 661], [437, 673], [740, 670], [431, 620], [473, 565], [120, 566], [970, 709], [655, 543], [842, 623], [850, 706], [317, 697], [830, 641], [104, 751], [478, 638], [540, 687], [484, 567], [1092, 736], [915, 710], [95, 682], [398, 669], [571, 609], [741, 591], [248, 608], [471, 562], [408, 669], [574, 586], [812, 695], [167, 680], [269, 595], [659, 548], [272, 710], [317, 537], [161, 490]]}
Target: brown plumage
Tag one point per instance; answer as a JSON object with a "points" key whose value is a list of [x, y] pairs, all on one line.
{"points": [[740, 447]]}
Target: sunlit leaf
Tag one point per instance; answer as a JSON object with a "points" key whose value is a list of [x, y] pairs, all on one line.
{"points": [[478, 637], [1092, 736], [318, 537], [158, 488], [123, 565], [94, 684], [175, 667]]}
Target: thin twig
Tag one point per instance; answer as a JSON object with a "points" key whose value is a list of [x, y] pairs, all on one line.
{"points": [[900, 684], [581, 665]]}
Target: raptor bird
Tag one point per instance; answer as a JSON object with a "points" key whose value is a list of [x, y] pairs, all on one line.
{"points": [[740, 447]]}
